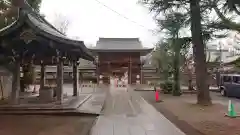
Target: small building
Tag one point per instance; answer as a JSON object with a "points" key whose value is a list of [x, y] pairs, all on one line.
{"points": [[31, 39], [149, 72]]}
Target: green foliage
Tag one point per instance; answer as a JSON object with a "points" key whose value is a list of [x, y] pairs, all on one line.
{"points": [[167, 86], [166, 48], [227, 11], [28, 73], [195, 12], [203, 28], [173, 22], [161, 57], [7, 16]]}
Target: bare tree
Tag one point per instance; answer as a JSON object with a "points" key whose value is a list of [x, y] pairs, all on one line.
{"points": [[61, 22]]}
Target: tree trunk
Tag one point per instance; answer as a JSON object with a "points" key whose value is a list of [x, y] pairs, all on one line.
{"points": [[203, 97], [190, 86], [190, 77], [176, 88]]}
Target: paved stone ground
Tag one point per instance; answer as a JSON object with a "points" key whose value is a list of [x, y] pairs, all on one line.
{"points": [[45, 125], [127, 113], [89, 101], [68, 89], [94, 104]]}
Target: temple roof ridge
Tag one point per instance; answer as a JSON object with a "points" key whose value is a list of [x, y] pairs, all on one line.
{"points": [[120, 45]]}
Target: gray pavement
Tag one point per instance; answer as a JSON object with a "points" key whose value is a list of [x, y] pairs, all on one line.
{"points": [[68, 89], [93, 105], [224, 100], [217, 98], [127, 113]]}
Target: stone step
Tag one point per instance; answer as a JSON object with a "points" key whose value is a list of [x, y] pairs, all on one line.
{"points": [[49, 112], [94, 105], [71, 104]]}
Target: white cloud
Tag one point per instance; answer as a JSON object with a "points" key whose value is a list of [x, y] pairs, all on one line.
{"points": [[90, 20]]}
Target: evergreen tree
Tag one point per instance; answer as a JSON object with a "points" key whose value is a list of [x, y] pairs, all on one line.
{"points": [[8, 12], [195, 10], [173, 22]]}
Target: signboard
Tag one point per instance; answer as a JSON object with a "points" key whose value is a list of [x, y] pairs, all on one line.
{"points": [[27, 36]]}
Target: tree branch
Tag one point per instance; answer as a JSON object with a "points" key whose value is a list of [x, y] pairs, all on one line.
{"points": [[228, 23]]}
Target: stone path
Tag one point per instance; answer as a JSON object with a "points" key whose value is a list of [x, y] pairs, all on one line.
{"points": [[93, 105], [127, 113]]}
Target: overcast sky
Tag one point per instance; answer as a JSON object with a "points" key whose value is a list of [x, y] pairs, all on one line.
{"points": [[90, 20]]}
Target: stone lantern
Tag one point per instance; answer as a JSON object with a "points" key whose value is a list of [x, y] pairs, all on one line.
{"points": [[101, 77], [138, 79]]}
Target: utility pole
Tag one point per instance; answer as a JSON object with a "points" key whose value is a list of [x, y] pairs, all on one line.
{"points": [[220, 55], [220, 51]]}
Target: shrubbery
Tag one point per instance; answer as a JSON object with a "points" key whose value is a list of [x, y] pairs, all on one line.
{"points": [[167, 86], [29, 76]]}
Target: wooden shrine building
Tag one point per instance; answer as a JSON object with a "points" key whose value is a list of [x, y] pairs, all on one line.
{"points": [[32, 39], [119, 56]]}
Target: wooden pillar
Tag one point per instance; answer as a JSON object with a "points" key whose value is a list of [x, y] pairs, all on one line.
{"points": [[97, 72], [43, 75], [59, 90], [109, 72], [97, 69], [141, 74], [130, 70], [80, 78], [75, 78], [16, 83]]}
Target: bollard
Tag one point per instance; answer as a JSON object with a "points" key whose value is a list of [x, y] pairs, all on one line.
{"points": [[157, 95], [231, 111]]}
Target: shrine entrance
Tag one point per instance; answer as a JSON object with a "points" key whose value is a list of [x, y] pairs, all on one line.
{"points": [[119, 79]]}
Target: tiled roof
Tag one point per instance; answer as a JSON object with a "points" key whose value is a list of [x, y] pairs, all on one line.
{"points": [[86, 64], [119, 44]]}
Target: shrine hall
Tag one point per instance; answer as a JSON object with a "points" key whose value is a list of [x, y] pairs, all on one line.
{"points": [[31, 39]]}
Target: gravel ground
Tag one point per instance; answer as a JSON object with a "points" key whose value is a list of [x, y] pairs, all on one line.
{"points": [[194, 119]]}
